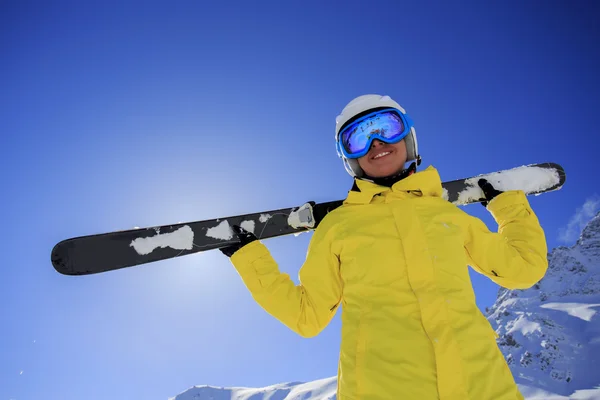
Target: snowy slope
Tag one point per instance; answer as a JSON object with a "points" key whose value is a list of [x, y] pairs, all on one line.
{"points": [[323, 389], [549, 334]]}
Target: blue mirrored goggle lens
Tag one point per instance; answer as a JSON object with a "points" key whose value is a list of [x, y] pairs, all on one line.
{"points": [[356, 136]]}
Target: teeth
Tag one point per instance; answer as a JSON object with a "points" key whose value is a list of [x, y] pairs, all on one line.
{"points": [[382, 154]]}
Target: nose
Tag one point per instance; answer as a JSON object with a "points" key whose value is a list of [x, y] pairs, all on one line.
{"points": [[376, 142]]}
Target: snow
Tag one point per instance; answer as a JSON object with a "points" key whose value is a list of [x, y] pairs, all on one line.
{"points": [[325, 389], [527, 178], [579, 310], [524, 326], [550, 334], [221, 231], [224, 232], [302, 217], [181, 239], [322, 389], [264, 218], [533, 393], [248, 225], [586, 394]]}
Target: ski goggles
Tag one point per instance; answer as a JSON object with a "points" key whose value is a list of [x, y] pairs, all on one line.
{"points": [[388, 125]]}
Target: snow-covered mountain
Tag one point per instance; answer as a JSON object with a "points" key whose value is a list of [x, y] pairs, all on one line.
{"points": [[322, 389], [549, 334]]}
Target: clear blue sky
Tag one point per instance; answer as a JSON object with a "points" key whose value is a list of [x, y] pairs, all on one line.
{"points": [[122, 114]]}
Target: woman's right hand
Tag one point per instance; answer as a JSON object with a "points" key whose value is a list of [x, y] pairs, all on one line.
{"points": [[244, 238]]}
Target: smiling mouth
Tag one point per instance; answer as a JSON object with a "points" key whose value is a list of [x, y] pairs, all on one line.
{"points": [[381, 154]]}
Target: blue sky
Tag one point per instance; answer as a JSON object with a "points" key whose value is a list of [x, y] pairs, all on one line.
{"points": [[122, 114]]}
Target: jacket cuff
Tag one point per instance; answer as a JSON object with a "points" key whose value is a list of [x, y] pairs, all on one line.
{"points": [[509, 205], [245, 256], [507, 199]]}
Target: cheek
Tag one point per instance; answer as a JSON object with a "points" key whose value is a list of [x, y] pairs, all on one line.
{"points": [[365, 166], [401, 147], [401, 151], [362, 163]]}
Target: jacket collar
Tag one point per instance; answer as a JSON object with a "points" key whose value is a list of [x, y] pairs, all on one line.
{"points": [[427, 182]]}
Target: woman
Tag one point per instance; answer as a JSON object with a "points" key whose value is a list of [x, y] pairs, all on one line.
{"points": [[395, 255]]}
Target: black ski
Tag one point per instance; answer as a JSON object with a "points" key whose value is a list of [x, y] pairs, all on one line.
{"points": [[114, 250]]}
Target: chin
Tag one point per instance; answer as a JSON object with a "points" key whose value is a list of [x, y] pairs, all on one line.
{"points": [[381, 173]]}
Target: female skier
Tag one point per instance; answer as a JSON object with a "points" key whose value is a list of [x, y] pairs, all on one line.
{"points": [[395, 256]]}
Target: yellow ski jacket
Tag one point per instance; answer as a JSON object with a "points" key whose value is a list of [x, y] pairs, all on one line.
{"points": [[396, 260]]}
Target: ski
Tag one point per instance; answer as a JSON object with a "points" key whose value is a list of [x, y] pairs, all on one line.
{"points": [[104, 252]]}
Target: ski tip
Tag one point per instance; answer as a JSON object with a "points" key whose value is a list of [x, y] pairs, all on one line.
{"points": [[60, 259], [562, 175]]}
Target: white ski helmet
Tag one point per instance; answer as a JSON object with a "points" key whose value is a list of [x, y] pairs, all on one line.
{"points": [[364, 103]]}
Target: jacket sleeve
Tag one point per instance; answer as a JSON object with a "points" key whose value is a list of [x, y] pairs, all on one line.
{"points": [[306, 308], [516, 256]]}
